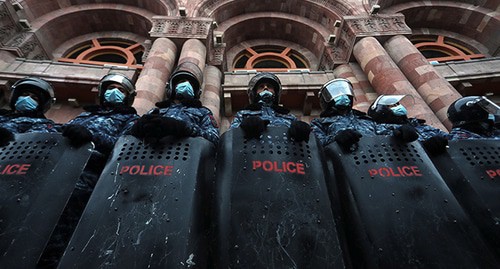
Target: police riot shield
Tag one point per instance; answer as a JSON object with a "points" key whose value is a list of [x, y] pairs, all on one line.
{"points": [[471, 168], [272, 204], [399, 211], [148, 209], [38, 173]]}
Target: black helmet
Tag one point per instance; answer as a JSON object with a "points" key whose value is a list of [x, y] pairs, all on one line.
{"points": [[185, 71], [381, 112], [38, 86], [264, 77], [471, 109], [333, 89], [120, 79]]}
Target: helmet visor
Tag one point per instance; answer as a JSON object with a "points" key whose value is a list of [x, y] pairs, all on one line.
{"points": [[389, 100], [336, 88], [489, 106]]}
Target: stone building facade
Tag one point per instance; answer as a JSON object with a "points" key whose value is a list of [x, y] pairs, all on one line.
{"points": [[435, 51]]}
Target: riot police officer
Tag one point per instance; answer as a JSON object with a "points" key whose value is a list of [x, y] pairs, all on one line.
{"points": [[30, 98], [474, 117], [392, 118], [101, 124], [264, 91], [181, 114], [338, 120]]}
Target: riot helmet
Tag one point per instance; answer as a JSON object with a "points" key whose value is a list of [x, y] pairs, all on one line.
{"points": [[257, 80], [185, 72], [116, 78], [387, 109], [333, 91], [37, 86], [473, 109]]}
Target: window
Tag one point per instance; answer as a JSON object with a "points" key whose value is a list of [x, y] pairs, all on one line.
{"points": [[442, 49], [269, 58], [107, 52]]}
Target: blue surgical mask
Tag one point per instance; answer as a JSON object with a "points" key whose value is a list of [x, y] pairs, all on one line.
{"points": [[491, 117], [184, 90], [26, 103], [266, 97], [342, 100], [114, 96], [399, 110]]}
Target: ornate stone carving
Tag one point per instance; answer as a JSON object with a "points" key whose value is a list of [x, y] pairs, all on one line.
{"points": [[355, 27], [28, 46], [174, 27]]}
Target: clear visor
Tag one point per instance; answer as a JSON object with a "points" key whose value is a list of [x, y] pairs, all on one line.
{"points": [[389, 100], [489, 106], [336, 88]]}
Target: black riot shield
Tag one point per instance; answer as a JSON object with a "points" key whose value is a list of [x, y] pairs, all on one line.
{"points": [[471, 168], [400, 213], [38, 173], [272, 204], [148, 209]]}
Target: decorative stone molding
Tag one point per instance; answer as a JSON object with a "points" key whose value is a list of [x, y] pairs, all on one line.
{"points": [[209, 7], [7, 24], [353, 28], [26, 45], [180, 28]]}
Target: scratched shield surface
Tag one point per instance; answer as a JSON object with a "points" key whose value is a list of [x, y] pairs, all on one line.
{"points": [[38, 173], [273, 209], [148, 209], [399, 211], [471, 168]]}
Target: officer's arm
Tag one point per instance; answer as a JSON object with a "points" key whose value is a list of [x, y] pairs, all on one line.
{"points": [[320, 130]]}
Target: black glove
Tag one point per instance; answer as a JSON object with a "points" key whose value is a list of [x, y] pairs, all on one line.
{"points": [[435, 145], [347, 138], [77, 134], [253, 126], [300, 131], [5, 137], [406, 133], [153, 127]]}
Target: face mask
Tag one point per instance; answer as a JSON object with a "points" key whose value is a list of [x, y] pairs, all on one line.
{"points": [[184, 90], [491, 117], [399, 110], [26, 103], [342, 100], [266, 97], [114, 96]]}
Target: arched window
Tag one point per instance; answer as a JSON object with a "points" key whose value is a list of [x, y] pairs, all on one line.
{"points": [[107, 52], [441, 49], [269, 58]]}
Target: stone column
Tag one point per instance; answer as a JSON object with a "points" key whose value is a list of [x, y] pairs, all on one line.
{"points": [[193, 51], [431, 86], [387, 78], [345, 71], [154, 76], [210, 97]]}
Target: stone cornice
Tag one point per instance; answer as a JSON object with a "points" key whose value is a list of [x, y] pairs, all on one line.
{"points": [[184, 28], [354, 28]]}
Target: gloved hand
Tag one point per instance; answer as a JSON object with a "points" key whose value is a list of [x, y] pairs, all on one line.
{"points": [[253, 126], [77, 134], [300, 131], [435, 145], [406, 133], [347, 138], [5, 137], [153, 127]]}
